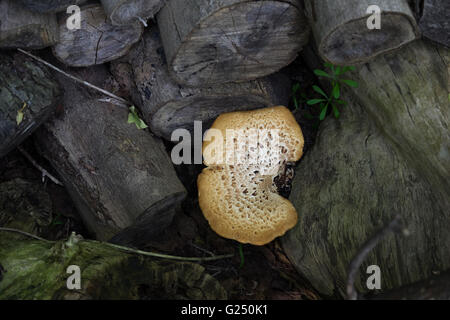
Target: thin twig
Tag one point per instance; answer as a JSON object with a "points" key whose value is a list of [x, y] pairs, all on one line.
{"points": [[144, 253], [109, 94], [45, 173], [201, 249], [25, 234], [394, 226]]}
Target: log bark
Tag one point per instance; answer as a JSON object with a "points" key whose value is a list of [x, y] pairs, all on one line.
{"points": [[124, 12], [115, 173], [371, 164], [407, 95], [167, 106], [341, 32], [24, 81], [97, 41], [50, 6], [435, 21], [106, 273], [210, 42], [21, 28]]}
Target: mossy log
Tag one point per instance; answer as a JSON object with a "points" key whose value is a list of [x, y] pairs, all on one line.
{"points": [[22, 81], [97, 41], [435, 21], [406, 93], [210, 42], [386, 155], [115, 173], [167, 106], [34, 269], [50, 6], [341, 32], [22, 28], [124, 12]]}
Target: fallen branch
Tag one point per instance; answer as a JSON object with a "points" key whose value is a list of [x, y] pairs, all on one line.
{"points": [[109, 94], [395, 226], [45, 173], [144, 253]]}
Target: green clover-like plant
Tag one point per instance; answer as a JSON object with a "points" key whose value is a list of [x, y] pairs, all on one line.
{"points": [[133, 117]]}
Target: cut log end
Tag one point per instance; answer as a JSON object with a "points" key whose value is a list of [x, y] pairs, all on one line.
{"points": [[128, 12], [97, 41], [240, 42], [354, 43]]}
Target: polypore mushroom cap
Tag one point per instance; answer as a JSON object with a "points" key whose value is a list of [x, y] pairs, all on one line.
{"points": [[239, 199]]}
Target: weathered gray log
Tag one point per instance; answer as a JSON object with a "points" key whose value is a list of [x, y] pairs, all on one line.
{"points": [[97, 42], [123, 12], [407, 94], [343, 37], [50, 6], [167, 106], [435, 21], [373, 163], [210, 42], [21, 28], [114, 172], [37, 270], [23, 81]]}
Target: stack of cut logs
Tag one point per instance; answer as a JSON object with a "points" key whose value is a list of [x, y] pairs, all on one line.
{"points": [[194, 60]]}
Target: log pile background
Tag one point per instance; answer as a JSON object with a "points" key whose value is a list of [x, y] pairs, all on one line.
{"points": [[71, 162]]}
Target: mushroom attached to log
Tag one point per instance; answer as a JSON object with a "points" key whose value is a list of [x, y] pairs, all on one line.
{"points": [[124, 12], [238, 191], [210, 42], [21, 28], [97, 41], [342, 33]]}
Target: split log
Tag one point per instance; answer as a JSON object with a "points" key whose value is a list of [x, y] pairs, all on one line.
{"points": [[22, 81], [21, 28], [210, 42], [124, 12], [115, 173], [167, 106], [105, 273], [386, 155], [343, 37], [50, 6], [435, 21], [97, 41]]}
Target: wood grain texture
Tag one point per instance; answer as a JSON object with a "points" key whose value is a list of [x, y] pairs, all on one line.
{"points": [[114, 172], [21, 28], [124, 12], [97, 41], [24, 81], [49, 6], [106, 273], [435, 21], [386, 155], [341, 32], [167, 106], [210, 42]]}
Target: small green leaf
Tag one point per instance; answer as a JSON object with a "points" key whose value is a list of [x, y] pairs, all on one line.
{"points": [[351, 83], [315, 101], [295, 87], [319, 91], [341, 102], [321, 73], [19, 117], [295, 103], [323, 113], [336, 112], [336, 91], [338, 71], [133, 117], [328, 65]]}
